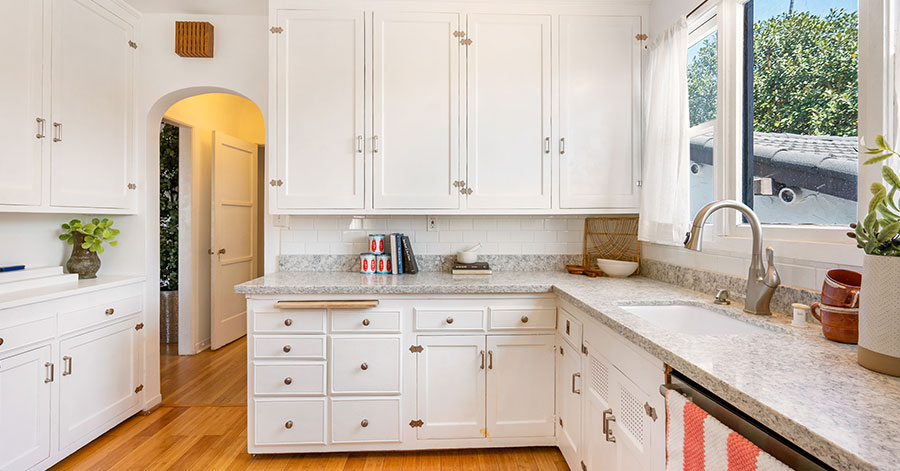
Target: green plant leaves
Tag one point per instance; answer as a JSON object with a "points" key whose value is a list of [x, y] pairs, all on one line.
{"points": [[95, 233]]}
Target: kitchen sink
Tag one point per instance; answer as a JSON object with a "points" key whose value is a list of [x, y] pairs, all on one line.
{"points": [[694, 320]]}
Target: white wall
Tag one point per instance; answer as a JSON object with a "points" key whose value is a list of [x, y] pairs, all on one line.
{"points": [[664, 13]]}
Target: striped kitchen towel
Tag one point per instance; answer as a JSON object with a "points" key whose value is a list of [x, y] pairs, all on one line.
{"points": [[695, 441]]}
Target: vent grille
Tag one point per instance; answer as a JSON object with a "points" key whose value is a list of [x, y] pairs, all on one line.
{"points": [[600, 378], [632, 416]]}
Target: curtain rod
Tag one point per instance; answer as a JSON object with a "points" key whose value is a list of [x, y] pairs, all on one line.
{"points": [[697, 8]]}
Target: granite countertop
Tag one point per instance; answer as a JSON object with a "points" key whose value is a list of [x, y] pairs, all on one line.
{"points": [[794, 381]]}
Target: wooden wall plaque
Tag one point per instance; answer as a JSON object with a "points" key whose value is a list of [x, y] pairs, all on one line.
{"points": [[194, 39]]}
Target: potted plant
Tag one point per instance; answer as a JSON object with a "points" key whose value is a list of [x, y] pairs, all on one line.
{"points": [[879, 235], [87, 242]]}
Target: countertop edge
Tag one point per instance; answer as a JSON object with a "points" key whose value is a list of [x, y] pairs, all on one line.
{"points": [[49, 293]]}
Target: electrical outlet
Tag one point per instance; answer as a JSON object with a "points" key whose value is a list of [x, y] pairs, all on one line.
{"points": [[431, 225], [282, 220]]}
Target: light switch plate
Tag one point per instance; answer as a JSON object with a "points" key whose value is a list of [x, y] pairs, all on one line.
{"points": [[431, 224], [282, 220]]}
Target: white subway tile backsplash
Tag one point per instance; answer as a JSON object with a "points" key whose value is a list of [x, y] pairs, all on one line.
{"points": [[424, 236], [298, 223], [451, 236], [532, 224], [545, 236], [555, 224], [303, 236], [509, 224], [509, 248], [328, 236], [461, 224], [484, 224], [326, 223], [475, 236]]}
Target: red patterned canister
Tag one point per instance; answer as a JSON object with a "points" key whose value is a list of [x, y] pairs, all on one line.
{"points": [[367, 263], [376, 243], [384, 263]]}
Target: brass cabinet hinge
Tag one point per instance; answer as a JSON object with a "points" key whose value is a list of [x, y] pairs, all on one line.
{"points": [[416, 423], [132, 186], [562, 350], [651, 412], [139, 326], [583, 466], [416, 348], [466, 42], [459, 34], [639, 183], [132, 44], [584, 349], [276, 30], [276, 182], [139, 389], [560, 422], [641, 37]]}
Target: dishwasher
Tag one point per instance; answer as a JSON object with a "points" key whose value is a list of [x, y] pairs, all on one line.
{"points": [[760, 435]]}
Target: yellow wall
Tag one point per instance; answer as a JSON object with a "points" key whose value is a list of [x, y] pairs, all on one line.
{"points": [[222, 112]]}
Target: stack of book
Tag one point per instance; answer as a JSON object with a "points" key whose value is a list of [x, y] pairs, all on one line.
{"points": [[402, 257], [477, 268]]}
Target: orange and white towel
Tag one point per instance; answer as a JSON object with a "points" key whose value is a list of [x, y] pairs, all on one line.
{"points": [[695, 441]]}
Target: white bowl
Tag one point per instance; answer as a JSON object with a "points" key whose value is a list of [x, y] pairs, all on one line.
{"points": [[466, 257], [617, 268]]}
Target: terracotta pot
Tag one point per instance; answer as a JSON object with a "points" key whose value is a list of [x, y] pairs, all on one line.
{"points": [[841, 288], [840, 324], [82, 261], [879, 315]]}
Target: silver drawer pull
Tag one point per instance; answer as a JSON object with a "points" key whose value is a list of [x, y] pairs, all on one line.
{"points": [[288, 322], [58, 128], [366, 322], [524, 319], [289, 424], [449, 320], [364, 366], [575, 391], [50, 372], [109, 311], [287, 349], [364, 423], [40, 134], [288, 380]]}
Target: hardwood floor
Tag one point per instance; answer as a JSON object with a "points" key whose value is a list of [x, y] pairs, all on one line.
{"points": [[202, 425]]}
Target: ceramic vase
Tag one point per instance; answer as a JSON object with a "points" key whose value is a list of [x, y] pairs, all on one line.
{"points": [[82, 261], [879, 315]]}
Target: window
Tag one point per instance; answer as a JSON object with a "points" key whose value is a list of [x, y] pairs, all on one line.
{"points": [[800, 111], [703, 89]]}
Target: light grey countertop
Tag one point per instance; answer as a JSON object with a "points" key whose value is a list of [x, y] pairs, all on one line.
{"points": [[794, 381]]}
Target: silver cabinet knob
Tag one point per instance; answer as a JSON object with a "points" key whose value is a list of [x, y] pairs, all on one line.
{"points": [[365, 321], [288, 322], [524, 319], [287, 349], [288, 380], [364, 366], [289, 424], [449, 320], [364, 423]]}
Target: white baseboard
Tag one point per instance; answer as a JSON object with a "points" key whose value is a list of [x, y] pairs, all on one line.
{"points": [[202, 345], [152, 402]]}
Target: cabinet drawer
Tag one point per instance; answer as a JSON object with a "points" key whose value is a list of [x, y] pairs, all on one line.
{"points": [[20, 335], [289, 422], [570, 328], [522, 319], [365, 365], [306, 347], [290, 321], [97, 314], [365, 420], [449, 319], [301, 379], [345, 321]]}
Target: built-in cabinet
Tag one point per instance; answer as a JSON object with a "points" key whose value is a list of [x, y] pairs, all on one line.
{"points": [[25, 408], [68, 115], [394, 109]]}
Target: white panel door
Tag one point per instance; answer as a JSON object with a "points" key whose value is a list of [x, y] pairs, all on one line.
{"points": [[320, 108], [568, 403], [417, 105], [632, 426], [91, 129], [23, 125], [600, 111], [450, 386], [508, 82], [599, 387], [25, 409], [520, 385], [234, 233], [98, 375]]}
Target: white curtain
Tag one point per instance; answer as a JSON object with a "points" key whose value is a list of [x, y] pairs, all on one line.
{"points": [[666, 198]]}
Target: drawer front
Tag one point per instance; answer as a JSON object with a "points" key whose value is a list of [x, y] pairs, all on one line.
{"points": [[450, 319], [289, 422], [290, 321], [20, 335], [365, 365], [299, 379], [346, 321], [522, 319], [570, 328], [111, 311], [366, 420], [307, 347]]}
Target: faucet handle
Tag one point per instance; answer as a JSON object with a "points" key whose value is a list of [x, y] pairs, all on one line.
{"points": [[772, 279], [722, 297], [770, 256]]}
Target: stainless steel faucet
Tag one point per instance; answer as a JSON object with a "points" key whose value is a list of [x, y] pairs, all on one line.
{"points": [[762, 279]]}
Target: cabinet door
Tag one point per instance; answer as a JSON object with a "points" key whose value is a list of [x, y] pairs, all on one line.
{"points": [[632, 426], [98, 375], [21, 101], [450, 386], [600, 111], [568, 403], [417, 105], [91, 129], [508, 82], [599, 453], [25, 409], [320, 100], [520, 385]]}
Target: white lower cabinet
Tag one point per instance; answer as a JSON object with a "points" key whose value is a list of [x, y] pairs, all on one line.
{"points": [[289, 421], [365, 365], [25, 408], [365, 420], [568, 403], [520, 385], [450, 386]]}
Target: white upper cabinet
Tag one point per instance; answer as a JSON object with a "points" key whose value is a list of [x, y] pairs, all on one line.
{"points": [[416, 110], [92, 110], [599, 111], [508, 90], [320, 126], [23, 125]]}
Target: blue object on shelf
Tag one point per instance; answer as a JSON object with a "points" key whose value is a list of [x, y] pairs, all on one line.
{"points": [[12, 268]]}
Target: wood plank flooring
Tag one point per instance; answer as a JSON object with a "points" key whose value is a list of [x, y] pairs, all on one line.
{"points": [[201, 425]]}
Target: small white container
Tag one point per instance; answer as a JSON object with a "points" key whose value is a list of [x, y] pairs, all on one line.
{"points": [[800, 312], [617, 268], [469, 255]]}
